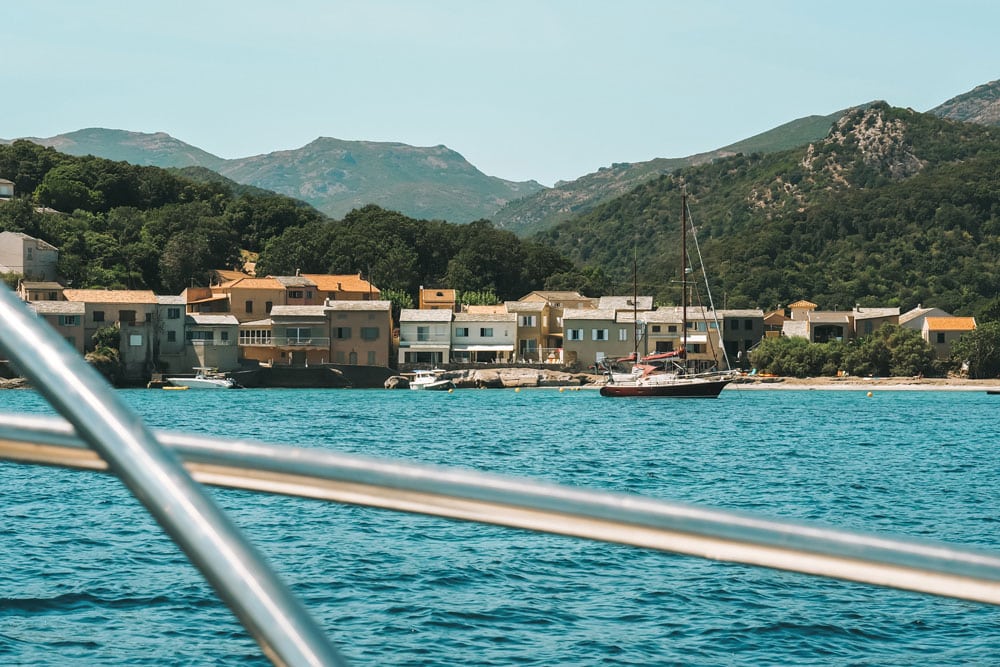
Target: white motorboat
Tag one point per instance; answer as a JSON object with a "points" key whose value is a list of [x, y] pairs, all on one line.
{"points": [[431, 381], [205, 378]]}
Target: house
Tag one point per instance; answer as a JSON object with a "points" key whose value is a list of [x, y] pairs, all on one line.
{"points": [[625, 303], [741, 331], [300, 336], [169, 339], [6, 189], [30, 290], [941, 332], [210, 340], [424, 336], [550, 324], [32, 258], [869, 320], [343, 287], [704, 346], [132, 312], [593, 334], [914, 318], [437, 299], [360, 331], [66, 317], [774, 323], [483, 337], [532, 329], [299, 291]]}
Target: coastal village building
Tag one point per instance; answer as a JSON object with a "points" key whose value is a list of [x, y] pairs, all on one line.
{"points": [[942, 332], [424, 336], [742, 330], [705, 350], [211, 341], [593, 334], [40, 291], [6, 189], [66, 317], [361, 332], [437, 299], [483, 337], [341, 287], [132, 312], [914, 319], [27, 256], [170, 335], [824, 326], [532, 328]]}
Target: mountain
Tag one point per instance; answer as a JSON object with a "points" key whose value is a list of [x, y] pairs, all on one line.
{"points": [[158, 150], [332, 175], [337, 176], [548, 207], [980, 105], [892, 207]]}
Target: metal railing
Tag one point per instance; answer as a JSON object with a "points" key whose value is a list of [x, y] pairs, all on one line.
{"points": [[161, 469]]}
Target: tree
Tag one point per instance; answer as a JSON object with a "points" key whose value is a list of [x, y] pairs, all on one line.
{"points": [[980, 348]]}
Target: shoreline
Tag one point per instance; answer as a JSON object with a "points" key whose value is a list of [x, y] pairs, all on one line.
{"points": [[868, 384]]}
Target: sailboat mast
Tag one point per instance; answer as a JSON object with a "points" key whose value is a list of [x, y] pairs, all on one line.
{"points": [[635, 304], [684, 295]]}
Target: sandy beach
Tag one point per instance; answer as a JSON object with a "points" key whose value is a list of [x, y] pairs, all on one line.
{"points": [[869, 384]]}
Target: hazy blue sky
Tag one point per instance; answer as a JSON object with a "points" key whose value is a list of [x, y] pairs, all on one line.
{"points": [[523, 89]]}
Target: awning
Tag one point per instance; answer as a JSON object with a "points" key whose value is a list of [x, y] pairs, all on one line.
{"points": [[697, 338], [482, 348]]}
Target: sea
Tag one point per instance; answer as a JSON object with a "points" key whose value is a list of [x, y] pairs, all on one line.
{"points": [[87, 578]]}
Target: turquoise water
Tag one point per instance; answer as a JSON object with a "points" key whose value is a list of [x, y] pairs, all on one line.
{"points": [[87, 579]]}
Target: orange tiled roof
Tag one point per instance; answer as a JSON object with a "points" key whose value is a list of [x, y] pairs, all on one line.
{"points": [[110, 296], [255, 283], [340, 283], [950, 323], [803, 304]]}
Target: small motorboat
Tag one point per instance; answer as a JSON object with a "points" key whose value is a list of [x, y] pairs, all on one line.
{"points": [[205, 378], [431, 381]]}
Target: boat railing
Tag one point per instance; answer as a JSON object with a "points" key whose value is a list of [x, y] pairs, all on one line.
{"points": [[164, 469]]}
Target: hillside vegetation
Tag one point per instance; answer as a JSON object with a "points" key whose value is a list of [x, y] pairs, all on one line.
{"points": [[894, 207], [119, 225]]}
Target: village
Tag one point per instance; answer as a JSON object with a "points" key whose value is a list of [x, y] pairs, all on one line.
{"points": [[242, 322]]}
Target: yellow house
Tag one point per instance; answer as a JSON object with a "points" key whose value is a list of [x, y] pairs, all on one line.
{"points": [[66, 317], [343, 287], [437, 299]]}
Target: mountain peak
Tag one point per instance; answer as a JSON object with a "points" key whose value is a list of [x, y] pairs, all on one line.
{"points": [[980, 105]]}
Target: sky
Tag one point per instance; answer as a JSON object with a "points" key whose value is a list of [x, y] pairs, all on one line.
{"points": [[543, 90]]}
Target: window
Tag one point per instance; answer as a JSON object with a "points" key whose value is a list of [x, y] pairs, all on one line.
{"points": [[298, 335], [527, 321], [255, 337], [69, 320], [698, 348], [309, 294], [371, 358], [369, 333], [623, 334], [98, 315], [200, 335], [342, 333], [574, 334], [486, 332], [423, 333], [461, 332], [656, 328], [735, 324], [223, 335], [295, 294], [135, 340], [748, 325], [52, 296], [267, 307], [171, 336], [940, 337], [173, 313], [672, 328], [598, 334], [248, 306]]}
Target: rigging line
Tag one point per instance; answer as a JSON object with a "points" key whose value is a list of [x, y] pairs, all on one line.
{"points": [[708, 290]]}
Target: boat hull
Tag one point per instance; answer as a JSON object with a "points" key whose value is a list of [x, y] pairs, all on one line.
{"points": [[678, 389], [201, 383], [439, 385]]}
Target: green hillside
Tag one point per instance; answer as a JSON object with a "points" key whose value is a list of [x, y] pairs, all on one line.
{"points": [[894, 207], [549, 207]]}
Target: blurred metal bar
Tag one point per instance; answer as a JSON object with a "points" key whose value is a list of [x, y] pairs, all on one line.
{"points": [[927, 567], [273, 616]]}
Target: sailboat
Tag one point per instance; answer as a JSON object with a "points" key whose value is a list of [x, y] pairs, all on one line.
{"points": [[665, 374]]}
